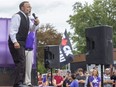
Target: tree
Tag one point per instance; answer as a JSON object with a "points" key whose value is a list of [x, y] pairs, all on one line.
{"points": [[46, 35], [101, 12]]}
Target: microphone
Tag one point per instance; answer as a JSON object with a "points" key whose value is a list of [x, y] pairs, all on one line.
{"points": [[34, 15]]}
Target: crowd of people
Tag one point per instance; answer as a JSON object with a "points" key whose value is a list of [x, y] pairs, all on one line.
{"points": [[80, 78]]}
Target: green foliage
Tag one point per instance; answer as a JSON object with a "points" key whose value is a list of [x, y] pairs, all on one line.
{"points": [[101, 12], [40, 67]]}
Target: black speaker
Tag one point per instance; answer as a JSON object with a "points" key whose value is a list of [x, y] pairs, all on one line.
{"points": [[51, 56], [99, 45]]}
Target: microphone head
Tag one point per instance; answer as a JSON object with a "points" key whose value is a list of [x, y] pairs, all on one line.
{"points": [[34, 15]]}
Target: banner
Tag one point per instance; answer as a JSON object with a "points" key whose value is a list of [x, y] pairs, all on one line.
{"points": [[6, 59], [66, 55]]}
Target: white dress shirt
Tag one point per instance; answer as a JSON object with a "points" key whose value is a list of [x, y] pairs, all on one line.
{"points": [[15, 23]]}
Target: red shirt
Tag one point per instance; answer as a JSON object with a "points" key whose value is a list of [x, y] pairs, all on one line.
{"points": [[39, 80], [58, 79]]}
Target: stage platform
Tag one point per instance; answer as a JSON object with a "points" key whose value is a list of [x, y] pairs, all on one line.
{"points": [[7, 77], [12, 86]]}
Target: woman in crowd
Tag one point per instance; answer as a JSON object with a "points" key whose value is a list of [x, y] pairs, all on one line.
{"points": [[49, 81], [95, 80]]}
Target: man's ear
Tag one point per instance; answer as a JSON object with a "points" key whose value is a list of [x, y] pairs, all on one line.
{"points": [[22, 9]]}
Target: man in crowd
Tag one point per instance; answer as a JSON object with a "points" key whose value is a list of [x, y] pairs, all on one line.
{"points": [[107, 79], [58, 78], [81, 77]]}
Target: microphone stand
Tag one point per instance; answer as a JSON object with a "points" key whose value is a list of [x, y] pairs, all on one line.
{"points": [[51, 78]]}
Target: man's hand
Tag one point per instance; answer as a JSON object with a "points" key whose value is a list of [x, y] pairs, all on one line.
{"points": [[36, 21], [16, 45]]}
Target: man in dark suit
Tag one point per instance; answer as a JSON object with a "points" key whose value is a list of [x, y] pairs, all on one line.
{"points": [[19, 28]]}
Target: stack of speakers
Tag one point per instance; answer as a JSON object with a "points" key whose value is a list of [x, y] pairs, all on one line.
{"points": [[99, 45]]}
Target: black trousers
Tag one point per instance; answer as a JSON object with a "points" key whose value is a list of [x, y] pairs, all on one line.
{"points": [[19, 58]]}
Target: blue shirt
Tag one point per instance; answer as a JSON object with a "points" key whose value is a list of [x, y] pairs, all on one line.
{"points": [[95, 81], [30, 41], [74, 83]]}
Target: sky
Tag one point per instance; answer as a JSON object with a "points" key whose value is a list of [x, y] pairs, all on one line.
{"points": [[54, 12]]}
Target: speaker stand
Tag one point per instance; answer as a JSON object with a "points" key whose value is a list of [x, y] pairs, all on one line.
{"points": [[51, 77], [102, 75]]}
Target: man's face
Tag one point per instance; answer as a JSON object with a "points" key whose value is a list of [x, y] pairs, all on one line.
{"points": [[107, 72], [80, 72], [26, 8]]}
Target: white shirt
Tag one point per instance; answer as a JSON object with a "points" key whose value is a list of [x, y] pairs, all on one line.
{"points": [[15, 23]]}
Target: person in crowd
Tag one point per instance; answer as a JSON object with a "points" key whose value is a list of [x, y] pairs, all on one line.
{"points": [[95, 67], [106, 78], [88, 75], [58, 78], [67, 81], [19, 28], [81, 77], [113, 77], [74, 82], [29, 58], [95, 80], [40, 79], [44, 78], [49, 81]]}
